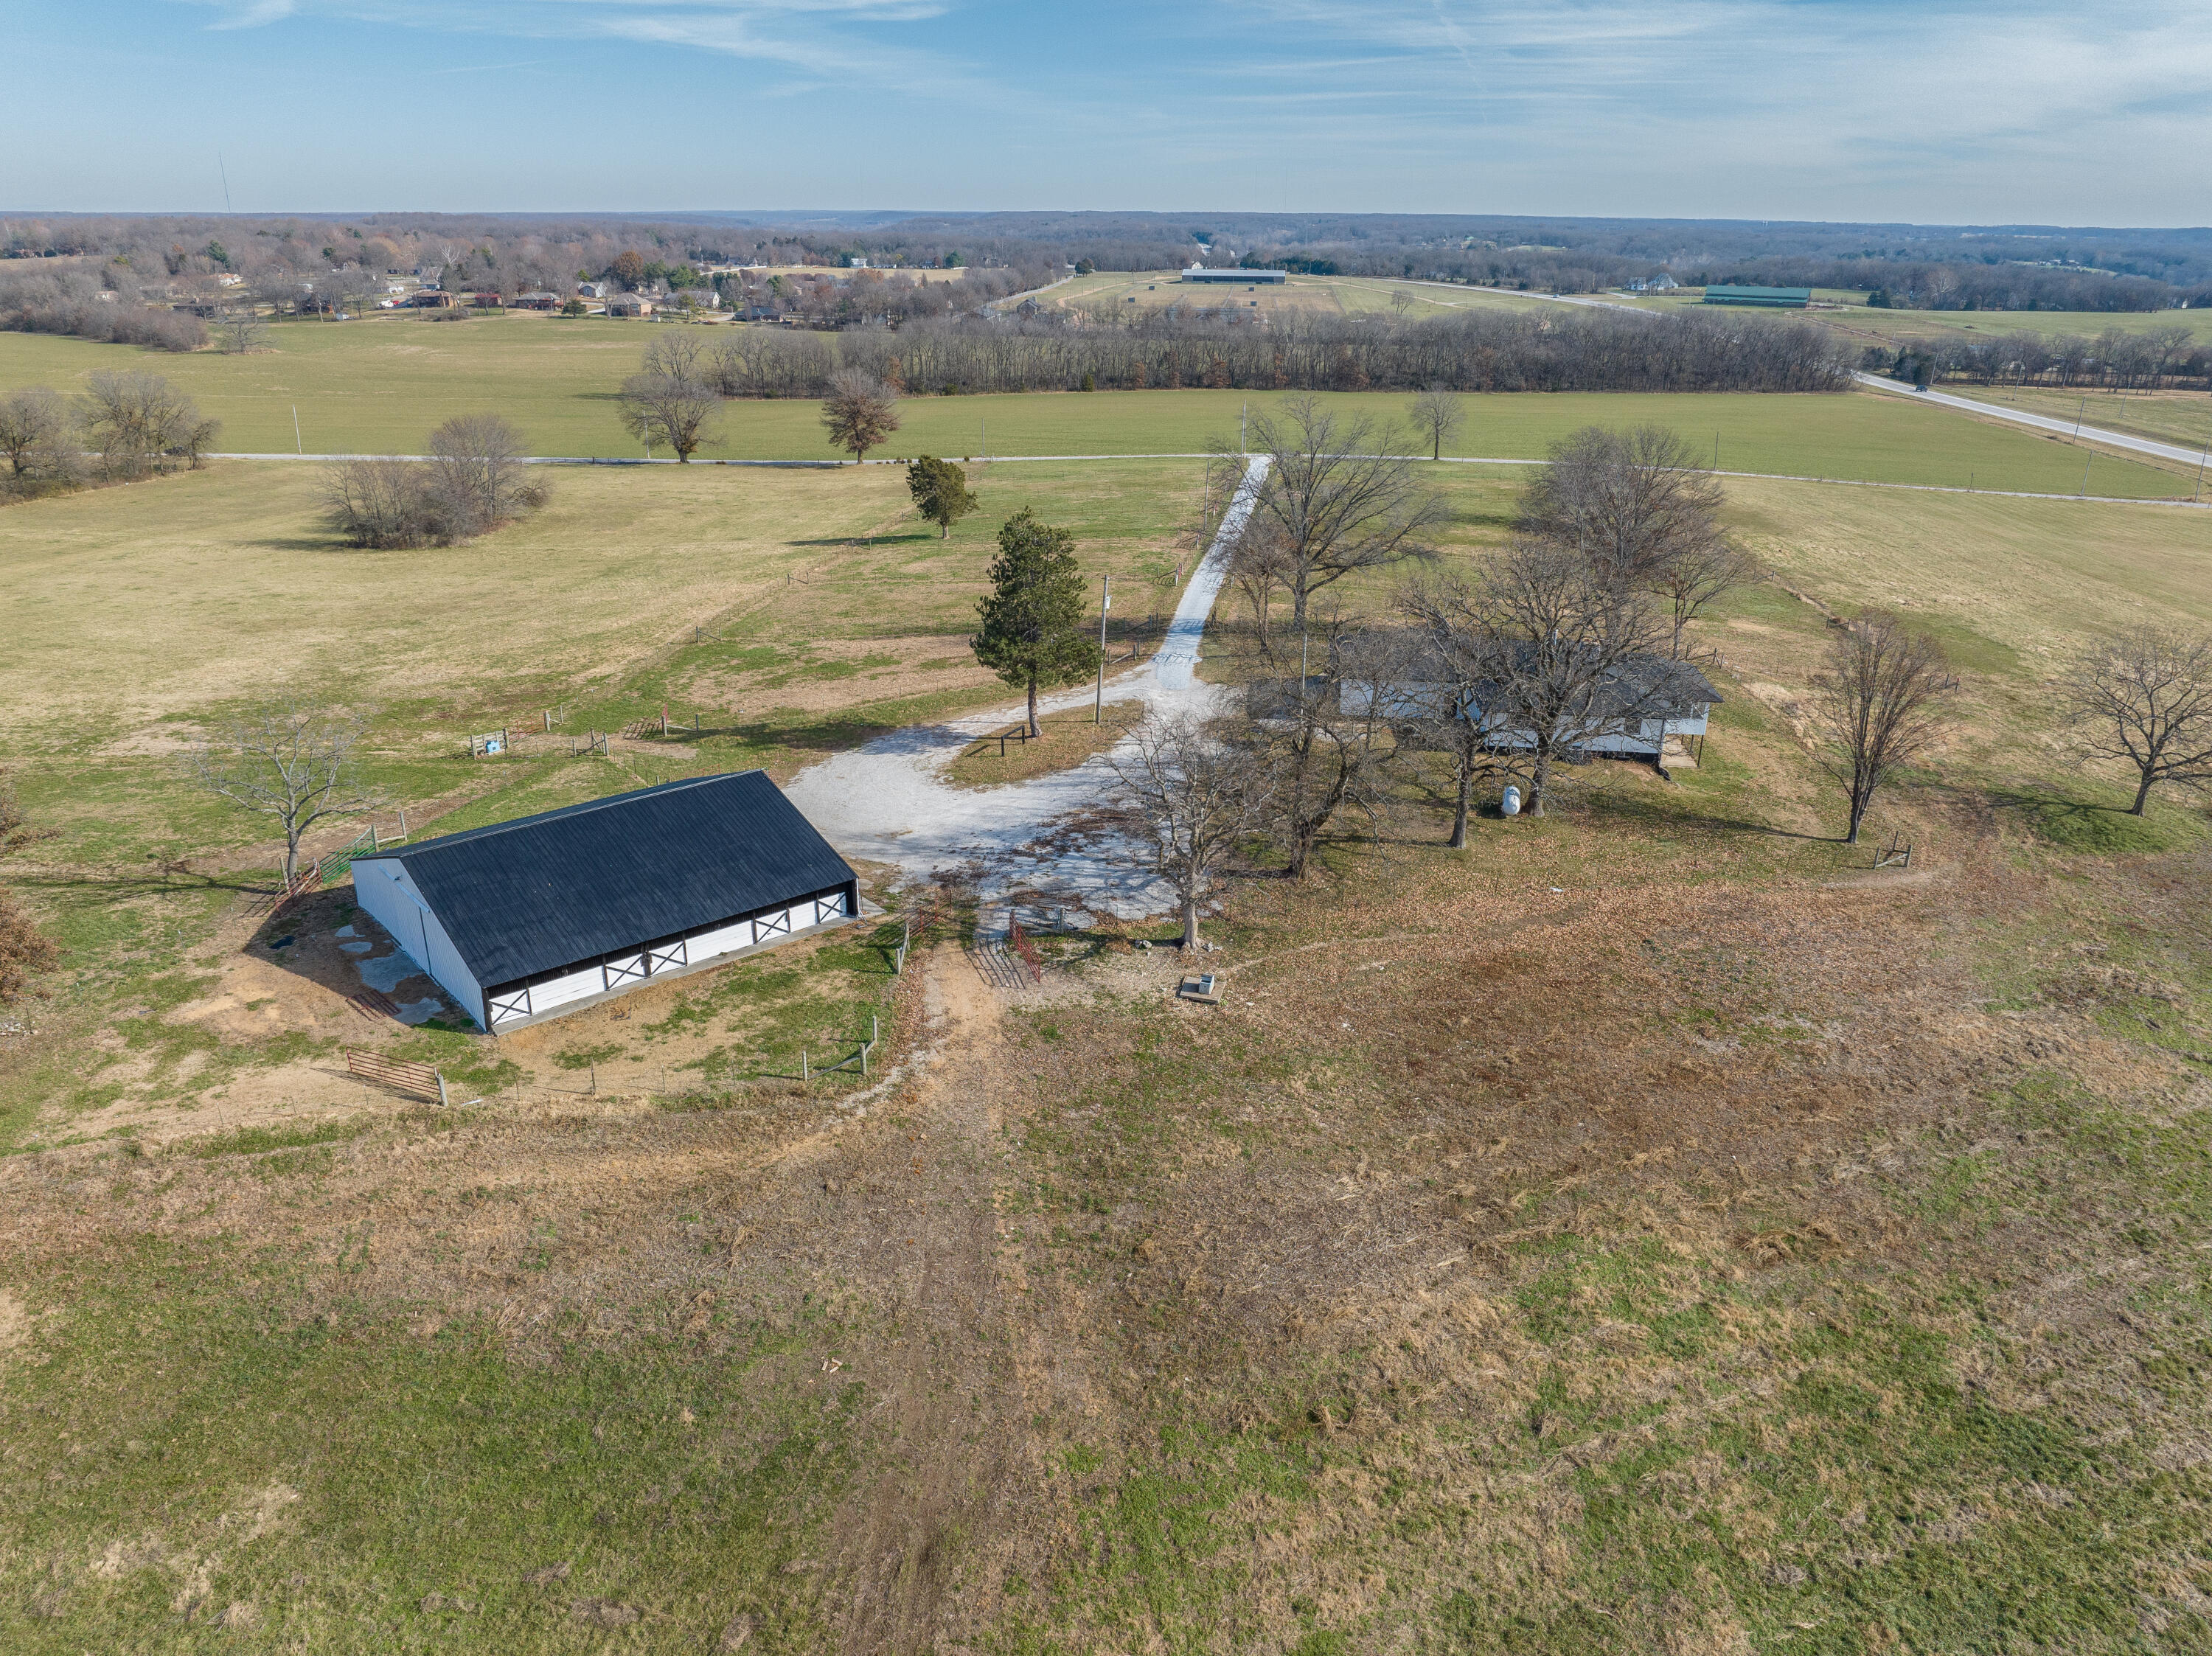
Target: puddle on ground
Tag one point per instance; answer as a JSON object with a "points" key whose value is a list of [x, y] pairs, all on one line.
{"points": [[421, 1012]]}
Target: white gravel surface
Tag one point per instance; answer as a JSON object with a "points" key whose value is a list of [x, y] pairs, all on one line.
{"points": [[888, 801]]}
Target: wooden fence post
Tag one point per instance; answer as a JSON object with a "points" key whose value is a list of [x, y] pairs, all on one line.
{"points": [[804, 1075], [441, 1089]]}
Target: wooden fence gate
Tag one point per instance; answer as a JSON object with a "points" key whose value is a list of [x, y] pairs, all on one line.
{"points": [[417, 1078]]}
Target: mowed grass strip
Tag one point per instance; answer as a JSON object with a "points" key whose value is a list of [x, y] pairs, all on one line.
{"points": [[381, 386]]}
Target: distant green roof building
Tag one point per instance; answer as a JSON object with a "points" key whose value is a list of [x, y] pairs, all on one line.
{"points": [[1773, 299]]}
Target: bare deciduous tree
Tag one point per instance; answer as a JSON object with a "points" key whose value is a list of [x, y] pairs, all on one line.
{"points": [[1442, 691], [1628, 501], [1319, 760], [1192, 792], [860, 413], [381, 504], [2144, 700], [1693, 574], [1437, 414], [137, 419], [1260, 566], [35, 433], [666, 411], [241, 330], [678, 355], [477, 461], [1564, 642], [1340, 494], [1879, 705], [294, 761]]}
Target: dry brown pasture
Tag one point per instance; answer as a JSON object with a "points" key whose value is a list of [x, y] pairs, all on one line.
{"points": [[1653, 1230]]}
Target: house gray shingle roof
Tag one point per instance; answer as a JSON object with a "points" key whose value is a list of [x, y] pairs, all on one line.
{"points": [[566, 886]]}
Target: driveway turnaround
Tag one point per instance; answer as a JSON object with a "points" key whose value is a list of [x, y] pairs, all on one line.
{"points": [[889, 802]]}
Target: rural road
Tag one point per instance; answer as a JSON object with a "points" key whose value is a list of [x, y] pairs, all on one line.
{"points": [[889, 801], [2040, 421]]}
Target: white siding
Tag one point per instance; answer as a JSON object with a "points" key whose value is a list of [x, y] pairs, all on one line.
{"points": [[386, 892], [722, 940]]}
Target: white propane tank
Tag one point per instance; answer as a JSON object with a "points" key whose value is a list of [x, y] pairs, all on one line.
{"points": [[1508, 802]]}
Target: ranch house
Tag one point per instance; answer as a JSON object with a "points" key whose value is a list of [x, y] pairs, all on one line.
{"points": [[1630, 714], [544, 915]]}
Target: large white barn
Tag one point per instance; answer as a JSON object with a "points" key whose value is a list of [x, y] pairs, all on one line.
{"points": [[545, 914]]}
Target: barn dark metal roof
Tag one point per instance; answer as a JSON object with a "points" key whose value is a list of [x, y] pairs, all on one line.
{"points": [[541, 892]]}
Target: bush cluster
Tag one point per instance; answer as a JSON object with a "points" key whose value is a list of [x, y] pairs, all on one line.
{"points": [[473, 479]]}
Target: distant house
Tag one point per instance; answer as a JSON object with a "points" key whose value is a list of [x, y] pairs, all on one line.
{"points": [[1659, 284], [540, 300], [630, 305], [1770, 298], [486, 302], [429, 299], [1247, 279], [593, 289], [1648, 699], [547, 914]]}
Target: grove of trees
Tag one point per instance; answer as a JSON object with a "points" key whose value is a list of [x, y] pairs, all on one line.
{"points": [[475, 479]]}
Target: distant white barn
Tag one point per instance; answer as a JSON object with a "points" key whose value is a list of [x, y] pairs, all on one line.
{"points": [[546, 914]]}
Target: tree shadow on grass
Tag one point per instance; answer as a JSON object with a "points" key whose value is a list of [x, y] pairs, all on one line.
{"points": [[1665, 814], [2077, 824], [868, 540], [138, 883]]}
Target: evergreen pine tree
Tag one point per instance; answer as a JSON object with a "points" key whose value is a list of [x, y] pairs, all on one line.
{"points": [[1033, 631], [940, 492]]}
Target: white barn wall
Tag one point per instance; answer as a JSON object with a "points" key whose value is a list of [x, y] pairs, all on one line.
{"points": [[389, 895]]}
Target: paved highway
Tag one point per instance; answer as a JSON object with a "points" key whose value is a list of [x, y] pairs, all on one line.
{"points": [[2040, 422]]}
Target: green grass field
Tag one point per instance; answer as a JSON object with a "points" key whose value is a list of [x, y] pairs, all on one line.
{"points": [[1861, 320], [380, 386]]}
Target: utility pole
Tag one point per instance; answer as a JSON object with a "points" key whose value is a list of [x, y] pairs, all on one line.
{"points": [[1243, 420], [1105, 602], [298, 443]]}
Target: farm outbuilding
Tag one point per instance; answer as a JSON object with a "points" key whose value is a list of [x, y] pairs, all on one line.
{"points": [[1770, 298], [1247, 279], [545, 914]]}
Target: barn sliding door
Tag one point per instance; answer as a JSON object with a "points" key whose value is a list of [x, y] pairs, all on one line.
{"points": [[506, 1008], [625, 968], [777, 924], [665, 956]]}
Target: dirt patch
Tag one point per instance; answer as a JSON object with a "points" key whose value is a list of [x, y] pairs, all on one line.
{"points": [[14, 1321]]}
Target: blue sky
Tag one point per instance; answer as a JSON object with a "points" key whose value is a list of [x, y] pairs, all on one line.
{"points": [[1837, 109]]}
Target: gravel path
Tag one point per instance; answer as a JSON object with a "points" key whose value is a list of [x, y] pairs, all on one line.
{"points": [[889, 802]]}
